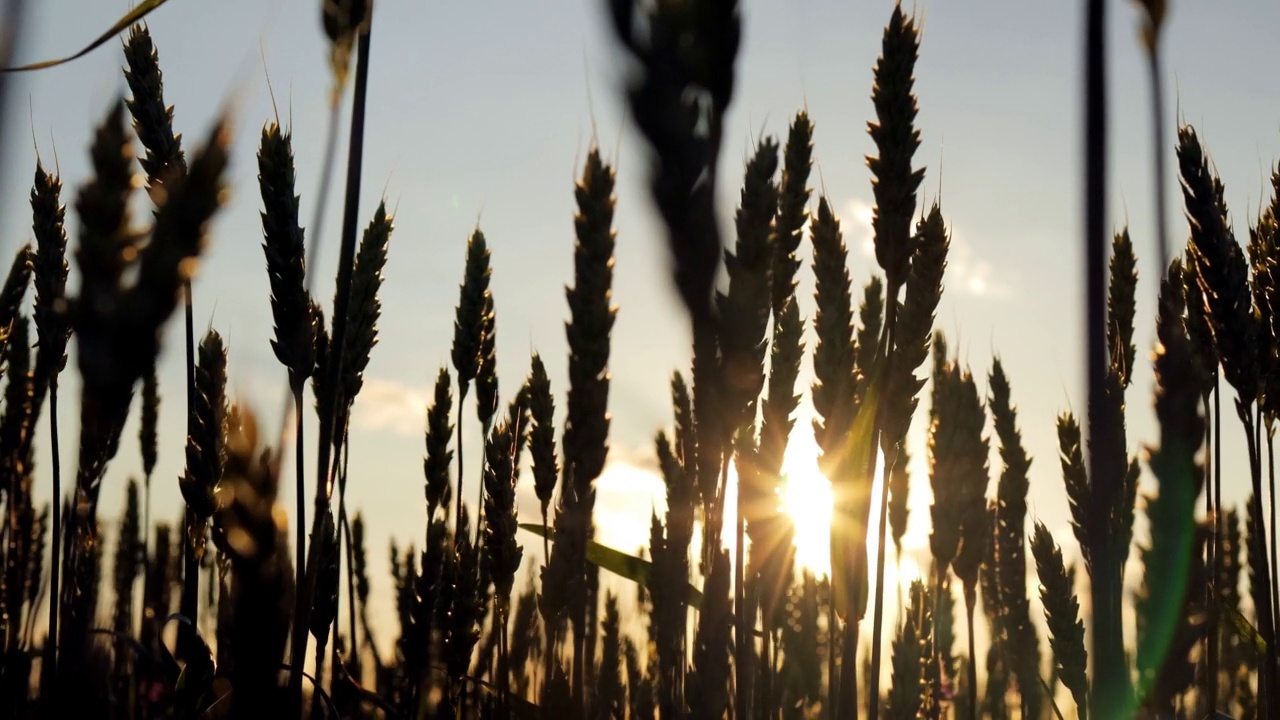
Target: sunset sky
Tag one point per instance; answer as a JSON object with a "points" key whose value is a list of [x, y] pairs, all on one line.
{"points": [[483, 111]]}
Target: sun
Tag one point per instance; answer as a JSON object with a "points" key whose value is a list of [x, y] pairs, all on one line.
{"points": [[806, 497]]}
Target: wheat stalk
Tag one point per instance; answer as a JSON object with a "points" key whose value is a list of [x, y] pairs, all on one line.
{"points": [[793, 200], [435, 466], [542, 439], [1010, 544], [1061, 612], [468, 331]]}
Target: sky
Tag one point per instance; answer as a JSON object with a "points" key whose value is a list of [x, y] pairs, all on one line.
{"points": [[482, 113]]}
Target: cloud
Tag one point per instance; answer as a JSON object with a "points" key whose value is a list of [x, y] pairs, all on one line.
{"points": [[966, 272], [386, 405], [970, 274]]}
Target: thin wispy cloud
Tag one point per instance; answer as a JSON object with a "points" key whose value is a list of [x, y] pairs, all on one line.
{"points": [[387, 405], [966, 272]]}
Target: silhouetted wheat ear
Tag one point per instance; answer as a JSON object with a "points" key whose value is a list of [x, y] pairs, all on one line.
{"points": [[249, 527], [708, 683], [744, 311], [610, 696], [178, 237], [128, 560], [958, 473], [435, 466], [163, 163], [911, 655], [1075, 478], [896, 139], [1120, 307], [772, 534], [343, 21], [468, 606], [914, 328], [487, 368], [1061, 612], [592, 315], [206, 445], [12, 293], [17, 418], [365, 308], [1220, 268], [833, 353], [685, 145], [325, 602], [360, 562], [781, 400], [149, 420], [468, 325], [1264, 255], [39, 533], [294, 341], [542, 438], [871, 313], [793, 201], [587, 420], [104, 351], [49, 265], [502, 552], [1010, 543], [1197, 322], [1168, 559]]}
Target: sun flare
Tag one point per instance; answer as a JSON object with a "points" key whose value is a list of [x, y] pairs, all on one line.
{"points": [[806, 497]]}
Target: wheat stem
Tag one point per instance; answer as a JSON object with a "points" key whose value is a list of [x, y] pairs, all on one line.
{"points": [[334, 370]]}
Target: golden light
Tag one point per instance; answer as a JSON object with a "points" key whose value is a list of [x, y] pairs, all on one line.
{"points": [[806, 497]]}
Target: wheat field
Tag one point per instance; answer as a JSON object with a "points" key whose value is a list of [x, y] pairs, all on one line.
{"points": [[1156, 598]]}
